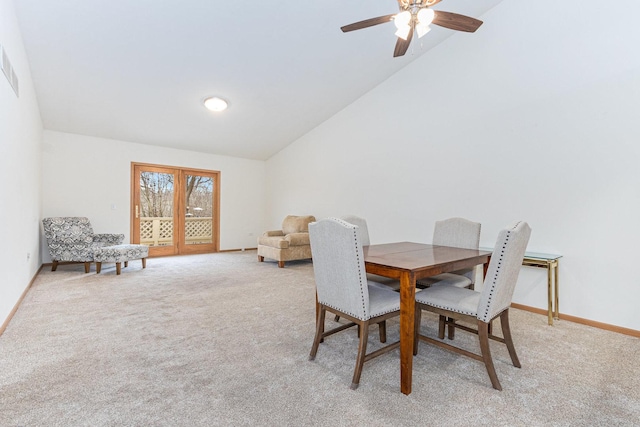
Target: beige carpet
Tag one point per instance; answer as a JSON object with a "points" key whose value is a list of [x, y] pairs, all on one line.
{"points": [[222, 340]]}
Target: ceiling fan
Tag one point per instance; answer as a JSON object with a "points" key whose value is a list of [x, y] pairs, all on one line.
{"points": [[416, 15]]}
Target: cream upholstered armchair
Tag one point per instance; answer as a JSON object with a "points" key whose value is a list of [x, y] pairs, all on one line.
{"points": [[290, 243], [71, 239]]}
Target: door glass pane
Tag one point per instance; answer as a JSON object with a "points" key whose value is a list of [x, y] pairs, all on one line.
{"points": [[198, 223], [156, 208]]}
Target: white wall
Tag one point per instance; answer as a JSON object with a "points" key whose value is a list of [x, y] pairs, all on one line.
{"points": [[85, 176], [533, 117], [20, 136]]}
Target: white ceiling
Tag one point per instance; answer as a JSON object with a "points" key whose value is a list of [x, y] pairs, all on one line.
{"points": [[138, 70]]}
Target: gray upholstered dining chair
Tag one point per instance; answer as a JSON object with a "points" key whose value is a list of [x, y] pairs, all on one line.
{"points": [[460, 233], [363, 229], [363, 233], [452, 303], [342, 289]]}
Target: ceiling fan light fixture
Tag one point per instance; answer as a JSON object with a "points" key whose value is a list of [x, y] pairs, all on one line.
{"points": [[403, 32], [425, 16], [422, 30], [215, 104], [402, 20]]}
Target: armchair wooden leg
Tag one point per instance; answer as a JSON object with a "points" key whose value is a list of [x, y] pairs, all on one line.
{"points": [[54, 265], [362, 351], [118, 267], [126, 264], [382, 326], [281, 264], [506, 333], [87, 267], [98, 267], [319, 332], [483, 335], [144, 263], [260, 258]]}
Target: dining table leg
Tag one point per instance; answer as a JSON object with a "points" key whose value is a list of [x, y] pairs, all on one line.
{"points": [[485, 268], [407, 311]]}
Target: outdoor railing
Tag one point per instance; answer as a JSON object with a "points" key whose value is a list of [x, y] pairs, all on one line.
{"points": [[158, 231]]}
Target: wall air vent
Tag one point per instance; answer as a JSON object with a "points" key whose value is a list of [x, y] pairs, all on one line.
{"points": [[8, 71]]}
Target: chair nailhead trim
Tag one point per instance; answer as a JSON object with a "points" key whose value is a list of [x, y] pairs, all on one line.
{"points": [[497, 272], [470, 313], [354, 228]]}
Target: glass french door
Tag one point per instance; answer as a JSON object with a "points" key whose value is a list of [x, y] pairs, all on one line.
{"points": [[175, 210]]}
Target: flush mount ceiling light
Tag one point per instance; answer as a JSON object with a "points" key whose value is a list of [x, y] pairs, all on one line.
{"points": [[216, 104]]}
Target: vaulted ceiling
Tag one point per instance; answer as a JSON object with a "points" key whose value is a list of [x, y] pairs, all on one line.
{"points": [[139, 70]]}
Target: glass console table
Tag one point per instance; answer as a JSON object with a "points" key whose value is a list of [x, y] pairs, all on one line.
{"points": [[550, 262]]}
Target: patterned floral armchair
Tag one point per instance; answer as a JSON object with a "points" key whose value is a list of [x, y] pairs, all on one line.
{"points": [[71, 239]]}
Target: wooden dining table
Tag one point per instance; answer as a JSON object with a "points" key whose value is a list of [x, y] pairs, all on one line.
{"points": [[409, 262]]}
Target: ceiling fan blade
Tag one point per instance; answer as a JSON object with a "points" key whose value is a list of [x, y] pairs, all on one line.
{"points": [[367, 23], [457, 22], [403, 45]]}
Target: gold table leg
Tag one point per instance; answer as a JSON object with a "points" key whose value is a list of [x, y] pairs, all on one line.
{"points": [[552, 291], [553, 306], [550, 294], [556, 304]]}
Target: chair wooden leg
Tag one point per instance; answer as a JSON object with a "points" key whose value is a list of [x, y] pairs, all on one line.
{"points": [[442, 320], [417, 318], [98, 267], [87, 267], [144, 263], [362, 351], [506, 333], [281, 264], [483, 335], [451, 328], [54, 265], [118, 267], [319, 332], [260, 258], [382, 326]]}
